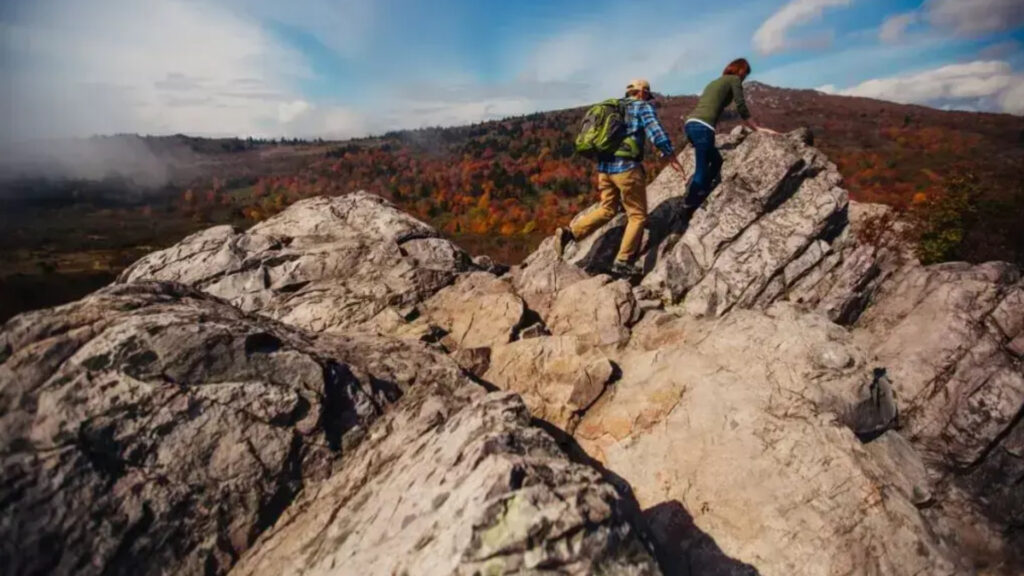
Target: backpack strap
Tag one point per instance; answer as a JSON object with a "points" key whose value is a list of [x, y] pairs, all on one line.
{"points": [[630, 147]]}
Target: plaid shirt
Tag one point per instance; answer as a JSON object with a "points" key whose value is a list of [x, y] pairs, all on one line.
{"points": [[641, 121]]}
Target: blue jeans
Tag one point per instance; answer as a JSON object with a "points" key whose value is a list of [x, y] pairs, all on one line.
{"points": [[709, 162]]}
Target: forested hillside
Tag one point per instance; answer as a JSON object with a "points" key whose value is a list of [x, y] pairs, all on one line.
{"points": [[498, 187], [514, 178]]}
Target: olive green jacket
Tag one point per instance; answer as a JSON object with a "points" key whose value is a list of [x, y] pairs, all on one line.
{"points": [[716, 97]]}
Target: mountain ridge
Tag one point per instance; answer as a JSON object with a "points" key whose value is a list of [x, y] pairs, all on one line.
{"points": [[62, 239]]}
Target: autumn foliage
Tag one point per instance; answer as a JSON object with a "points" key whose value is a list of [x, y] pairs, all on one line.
{"points": [[517, 180], [498, 187]]}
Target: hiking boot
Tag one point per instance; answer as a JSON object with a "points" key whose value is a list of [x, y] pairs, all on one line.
{"points": [[563, 236], [625, 270]]}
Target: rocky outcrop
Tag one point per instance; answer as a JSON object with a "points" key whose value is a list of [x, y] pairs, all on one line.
{"points": [[152, 429], [778, 227], [455, 489], [325, 264], [741, 422], [946, 334], [785, 391], [478, 311], [151, 414], [781, 298]]}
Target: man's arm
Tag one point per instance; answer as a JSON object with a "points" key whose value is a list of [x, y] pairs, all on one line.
{"points": [[656, 133]]}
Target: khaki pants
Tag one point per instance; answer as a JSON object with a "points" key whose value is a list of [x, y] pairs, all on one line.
{"points": [[628, 190]]}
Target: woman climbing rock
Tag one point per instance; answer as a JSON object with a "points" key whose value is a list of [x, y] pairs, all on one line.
{"points": [[700, 128]]}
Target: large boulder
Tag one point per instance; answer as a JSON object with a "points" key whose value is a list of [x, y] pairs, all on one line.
{"points": [[598, 310], [778, 198], [945, 334], [478, 311], [740, 426], [150, 427], [558, 376], [727, 363], [153, 429], [778, 227], [542, 276], [324, 264], [456, 489]]}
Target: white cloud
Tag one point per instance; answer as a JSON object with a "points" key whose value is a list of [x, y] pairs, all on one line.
{"points": [[1012, 99], [975, 17], [454, 113], [985, 85], [895, 27], [572, 67], [157, 67], [599, 65], [288, 111], [772, 36], [459, 100], [1001, 50], [325, 121], [565, 55]]}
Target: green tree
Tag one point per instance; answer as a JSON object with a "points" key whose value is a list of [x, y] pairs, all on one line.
{"points": [[940, 223]]}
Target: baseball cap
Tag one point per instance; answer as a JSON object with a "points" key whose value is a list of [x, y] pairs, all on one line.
{"points": [[638, 84]]}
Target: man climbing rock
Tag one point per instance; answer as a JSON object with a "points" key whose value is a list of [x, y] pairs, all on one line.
{"points": [[622, 182]]}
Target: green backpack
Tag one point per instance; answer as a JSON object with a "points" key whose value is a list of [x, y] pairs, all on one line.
{"points": [[603, 132]]}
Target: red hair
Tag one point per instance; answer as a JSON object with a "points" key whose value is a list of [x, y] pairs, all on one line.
{"points": [[737, 67]]}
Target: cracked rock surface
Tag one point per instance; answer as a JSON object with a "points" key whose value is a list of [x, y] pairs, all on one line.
{"points": [[731, 407], [153, 429], [740, 424], [479, 310], [149, 425], [946, 334], [325, 264], [455, 488]]}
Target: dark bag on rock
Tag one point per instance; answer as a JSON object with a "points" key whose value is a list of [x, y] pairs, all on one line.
{"points": [[877, 413]]}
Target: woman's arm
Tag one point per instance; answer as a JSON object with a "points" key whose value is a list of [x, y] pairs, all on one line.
{"points": [[741, 106], [750, 123], [739, 99]]}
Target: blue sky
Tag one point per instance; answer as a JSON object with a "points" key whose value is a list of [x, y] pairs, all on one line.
{"points": [[340, 68]]}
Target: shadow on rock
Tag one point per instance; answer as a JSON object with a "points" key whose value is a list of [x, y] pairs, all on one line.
{"points": [[680, 547], [670, 218], [667, 219], [601, 255], [683, 549]]}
